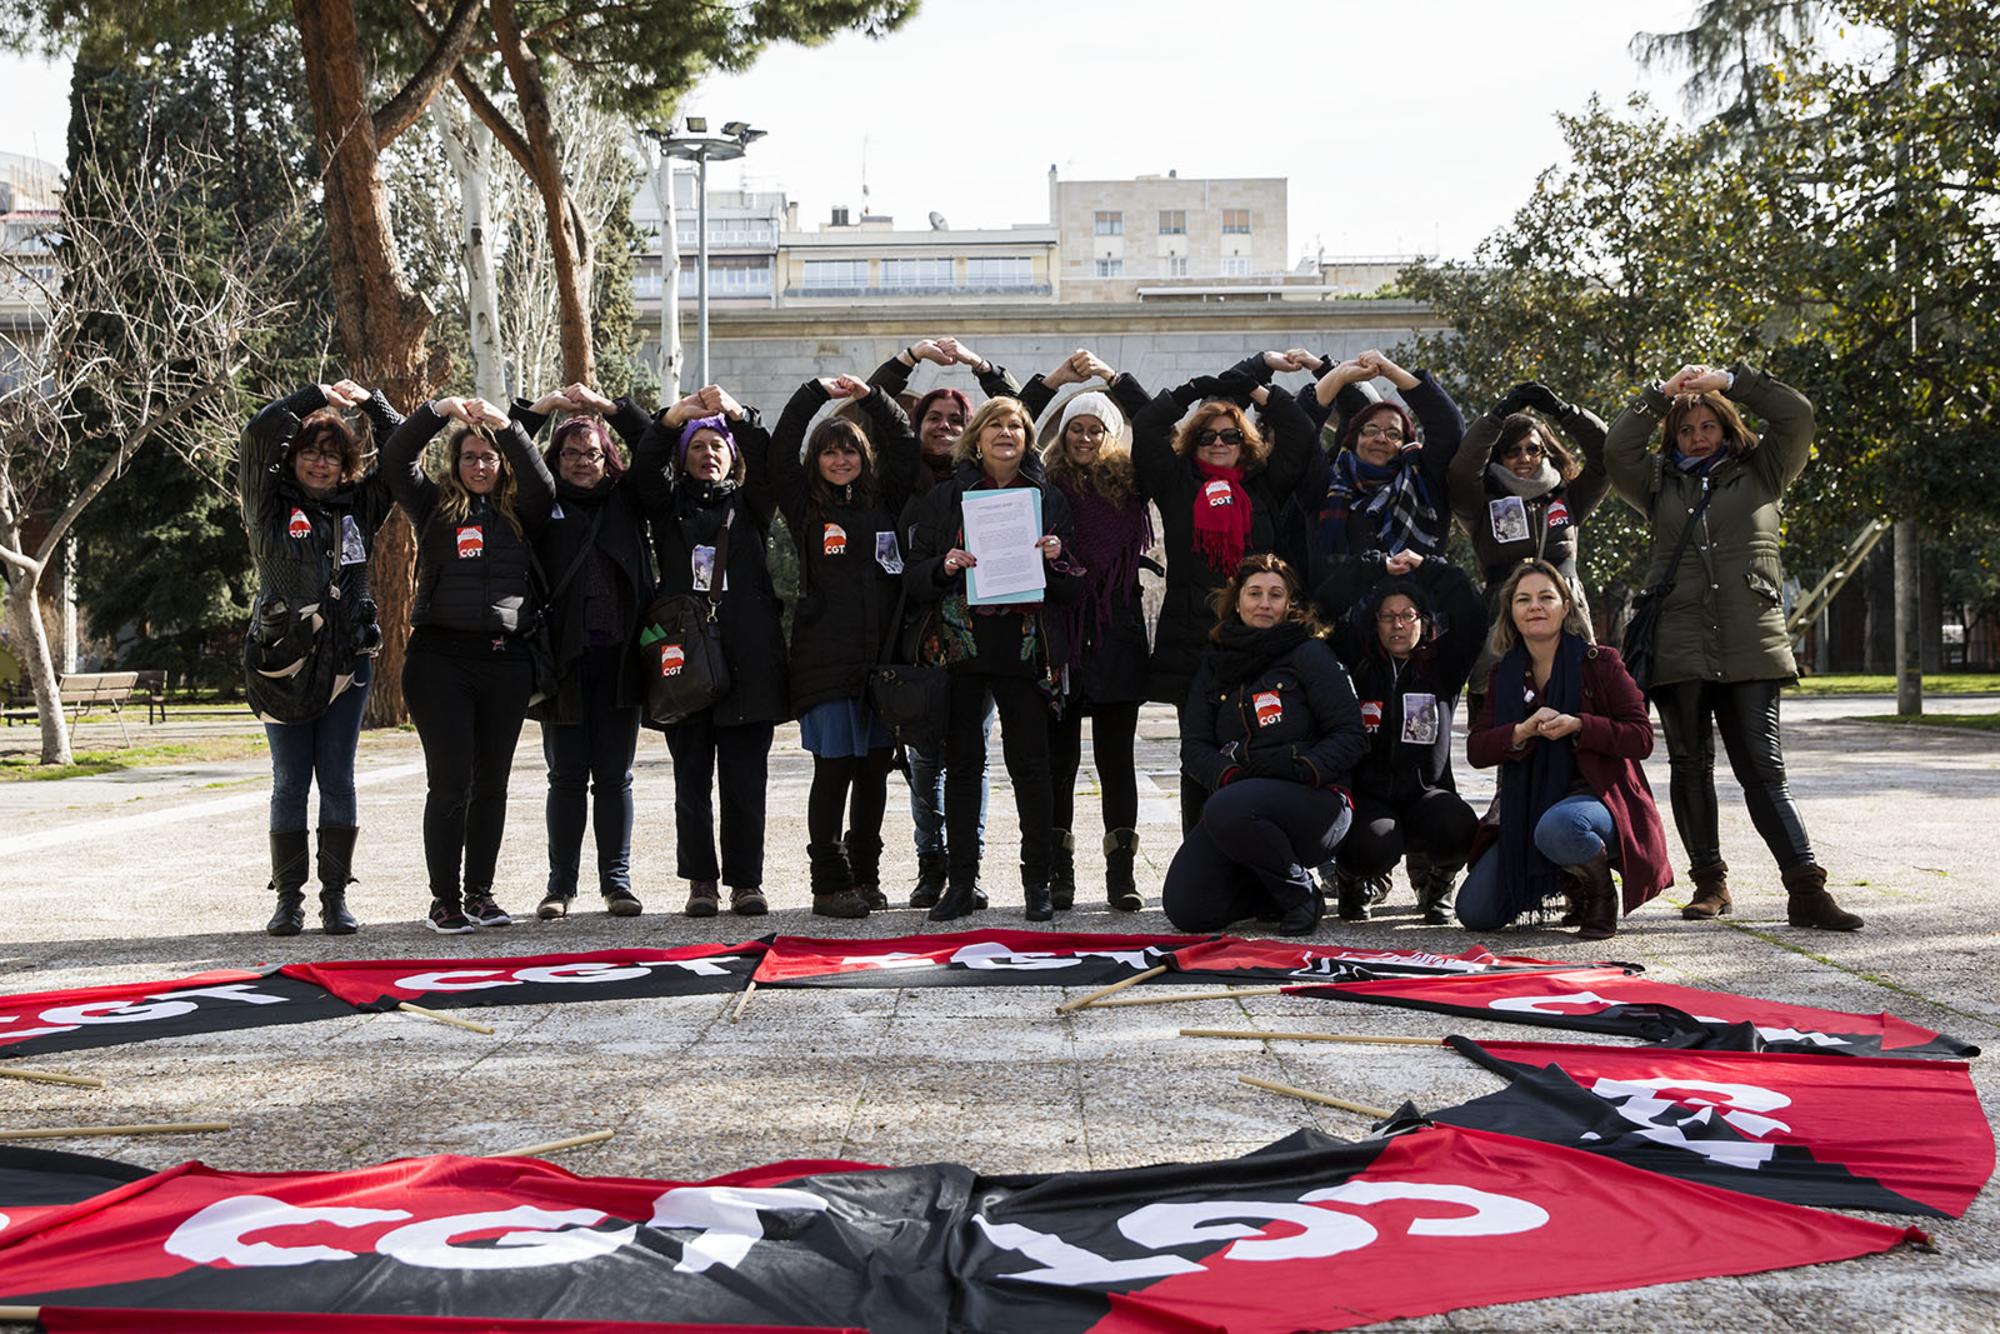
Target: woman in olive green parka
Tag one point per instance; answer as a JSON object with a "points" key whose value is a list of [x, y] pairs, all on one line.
{"points": [[1722, 653]]}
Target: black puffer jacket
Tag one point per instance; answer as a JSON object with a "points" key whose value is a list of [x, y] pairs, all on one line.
{"points": [[473, 573], [1554, 518], [1442, 427], [1404, 761], [1172, 483], [620, 545], [1299, 708], [847, 594], [311, 553], [686, 514]]}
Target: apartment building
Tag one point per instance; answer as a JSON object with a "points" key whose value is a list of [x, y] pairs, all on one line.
{"points": [[867, 258], [1153, 237]]}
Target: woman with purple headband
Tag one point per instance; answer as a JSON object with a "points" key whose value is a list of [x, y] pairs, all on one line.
{"points": [[701, 475]]}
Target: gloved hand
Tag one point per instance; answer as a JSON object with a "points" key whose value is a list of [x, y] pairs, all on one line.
{"points": [[1274, 762]]}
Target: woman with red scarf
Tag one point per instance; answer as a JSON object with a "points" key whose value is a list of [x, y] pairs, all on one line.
{"points": [[1220, 483]]}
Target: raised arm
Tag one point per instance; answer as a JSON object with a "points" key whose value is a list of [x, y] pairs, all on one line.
{"points": [[788, 438], [1294, 441], [1079, 367], [1786, 444], [1461, 611], [1628, 455], [534, 486], [650, 478], [1591, 485], [896, 450], [1465, 480], [264, 442], [755, 442], [401, 458]]}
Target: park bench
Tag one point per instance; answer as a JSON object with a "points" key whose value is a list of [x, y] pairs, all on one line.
{"points": [[79, 692]]}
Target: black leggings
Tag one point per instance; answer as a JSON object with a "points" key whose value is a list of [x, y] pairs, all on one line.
{"points": [[1112, 728], [468, 712], [1746, 713], [834, 778], [1024, 739], [1249, 852], [1436, 823]]}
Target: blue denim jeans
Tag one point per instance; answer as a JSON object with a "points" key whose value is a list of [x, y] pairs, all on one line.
{"points": [[592, 757], [1569, 833], [927, 792], [323, 749]]}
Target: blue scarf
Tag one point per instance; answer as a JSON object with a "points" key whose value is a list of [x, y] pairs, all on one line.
{"points": [[1395, 495], [1529, 787]]}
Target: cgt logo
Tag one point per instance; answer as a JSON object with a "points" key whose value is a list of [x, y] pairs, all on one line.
{"points": [[992, 956], [1558, 514], [672, 659], [833, 540], [584, 973], [1371, 714], [161, 1006], [1270, 708], [1218, 494], [471, 541], [299, 526]]}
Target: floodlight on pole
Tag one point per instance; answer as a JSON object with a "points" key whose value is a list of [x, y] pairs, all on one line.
{"points": [[694, 142]]}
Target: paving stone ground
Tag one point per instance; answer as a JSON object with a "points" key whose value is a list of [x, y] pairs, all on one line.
{"points": [[160, 872]]}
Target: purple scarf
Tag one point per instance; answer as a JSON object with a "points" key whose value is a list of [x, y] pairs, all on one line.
{"points": [[1107, 541]]}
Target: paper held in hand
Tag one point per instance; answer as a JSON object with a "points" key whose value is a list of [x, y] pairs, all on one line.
{"points": [[1001, 530]]}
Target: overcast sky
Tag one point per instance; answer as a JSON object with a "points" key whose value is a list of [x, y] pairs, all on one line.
{"points": [[1412, 126]]}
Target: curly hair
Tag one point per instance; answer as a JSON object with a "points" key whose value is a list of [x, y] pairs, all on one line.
{"points": [[1223, 600], [1255, 448], [328, 427]]}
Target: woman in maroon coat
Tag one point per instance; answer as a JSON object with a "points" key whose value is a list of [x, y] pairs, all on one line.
{"points": [[1568, 728]]}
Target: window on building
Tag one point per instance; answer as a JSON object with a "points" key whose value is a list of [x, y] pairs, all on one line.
{"points": [[1109, 224], [1173, 222], [1236, 220], [1004, 271], [1236, 266], [1177, 266], [916, 274], [728, 276], [1111, 268], [835, 274]]}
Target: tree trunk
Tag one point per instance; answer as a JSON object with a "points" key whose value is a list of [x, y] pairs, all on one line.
{"points": [[1909, 618], [469, 146], [569, 235], [30, 635], [382, 323]]}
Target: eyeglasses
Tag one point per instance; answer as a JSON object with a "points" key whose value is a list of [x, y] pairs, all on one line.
{"points": [[583, 456], [1392, 434], [1522, 451], [316, 454], [1396, 617], [1229, 436], [479, 460]]}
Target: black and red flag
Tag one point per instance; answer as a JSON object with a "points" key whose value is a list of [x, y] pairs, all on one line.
{"points": [[1896, 1136], [1240, 959], [1611, 1000], [34, 1023], [110, 1320], [546, 979], [966, 959], [1310, 1233]]}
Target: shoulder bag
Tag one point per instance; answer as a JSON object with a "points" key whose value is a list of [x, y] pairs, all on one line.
{"points": [[1643, 628], [680, 645]]}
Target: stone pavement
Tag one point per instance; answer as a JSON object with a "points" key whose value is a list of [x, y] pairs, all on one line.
{"points": [[158, 873]]}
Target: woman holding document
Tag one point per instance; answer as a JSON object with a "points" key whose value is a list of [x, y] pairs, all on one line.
{"points": [[986, 551]]}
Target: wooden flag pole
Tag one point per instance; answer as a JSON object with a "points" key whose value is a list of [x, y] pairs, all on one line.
{"points": [[1070, 1007], [1192, 996], [53, 1077], [554, 1145], [1358, 1108], [1373, 1038], [742, 1001], [24, 1315], [82, 1132], [436, 1016]]}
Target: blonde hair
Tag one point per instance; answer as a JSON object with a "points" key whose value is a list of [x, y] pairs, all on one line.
{"points": [[1505, 635], [967, 448], [1254, 448], [1110, 475], [455, 502]]}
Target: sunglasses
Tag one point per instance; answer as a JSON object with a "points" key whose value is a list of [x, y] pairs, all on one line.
{"points": [[1521, 451], [1227, 436]]}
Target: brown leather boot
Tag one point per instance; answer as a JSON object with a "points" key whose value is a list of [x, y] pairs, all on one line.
{"points": [[1596, 897], [1711, 893], [1808, 903]]}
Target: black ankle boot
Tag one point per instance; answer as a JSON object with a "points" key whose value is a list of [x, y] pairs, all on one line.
{"points": [[1121, 849], [864, 861], [833, 882], [1434, 892], [336, 873], [1062, 870], [1035, 892], [961, 889], [931, 867], [1350, 895], [291, 859], [1301, 916]]}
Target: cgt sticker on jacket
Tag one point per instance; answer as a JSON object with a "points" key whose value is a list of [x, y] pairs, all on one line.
{"points": [[471, 541]]}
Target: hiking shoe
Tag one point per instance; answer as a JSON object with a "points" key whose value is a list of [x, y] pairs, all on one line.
{"points": [[480, 907], [703, 899], [446, 919], [620, 901], [747, 901], [554, 904], [841, 903]]}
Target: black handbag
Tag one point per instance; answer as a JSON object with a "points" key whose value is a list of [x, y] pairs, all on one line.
{"points": [[539, 635], [1643, 626], [680, 645], [911, 700]]}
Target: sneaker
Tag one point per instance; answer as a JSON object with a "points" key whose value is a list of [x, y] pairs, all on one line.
{"points": [[703, 899], [446, 919], [480, 907], [620, 901], [747, 901], [554, 904]]}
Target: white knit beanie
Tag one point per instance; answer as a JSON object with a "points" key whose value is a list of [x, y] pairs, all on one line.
{"points": [[1093, 404]]}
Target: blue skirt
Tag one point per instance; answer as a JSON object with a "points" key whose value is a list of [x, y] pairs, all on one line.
{"points": [[841, 728]]}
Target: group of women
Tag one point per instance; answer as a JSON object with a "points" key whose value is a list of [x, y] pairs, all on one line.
{"points": [[1313, 635]]}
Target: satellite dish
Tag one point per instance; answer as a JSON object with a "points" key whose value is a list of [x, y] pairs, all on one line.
{"points": [[937, 221]]}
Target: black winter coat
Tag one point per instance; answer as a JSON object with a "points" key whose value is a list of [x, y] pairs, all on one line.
{"points": [[1171, 482], [473, 574], [612, 507], [847, 596], [1301, 706], [686, 514], [309, 551], [1443, 428], [1401, 762]]}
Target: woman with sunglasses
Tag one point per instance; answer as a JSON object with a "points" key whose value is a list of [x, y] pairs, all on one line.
{"points": [[1220, 484], [595, 564], [468, 672], [1386, 487], [1520, 494]]}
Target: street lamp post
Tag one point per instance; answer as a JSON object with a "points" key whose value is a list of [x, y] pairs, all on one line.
{"points": [[693, 141]]}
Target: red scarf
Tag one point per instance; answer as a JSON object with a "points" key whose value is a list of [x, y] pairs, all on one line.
{"points": [[1221, 517]]}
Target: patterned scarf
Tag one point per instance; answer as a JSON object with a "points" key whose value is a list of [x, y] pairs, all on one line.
{"points": [[1395, 495], [1107, 543], [1221, 517]]}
